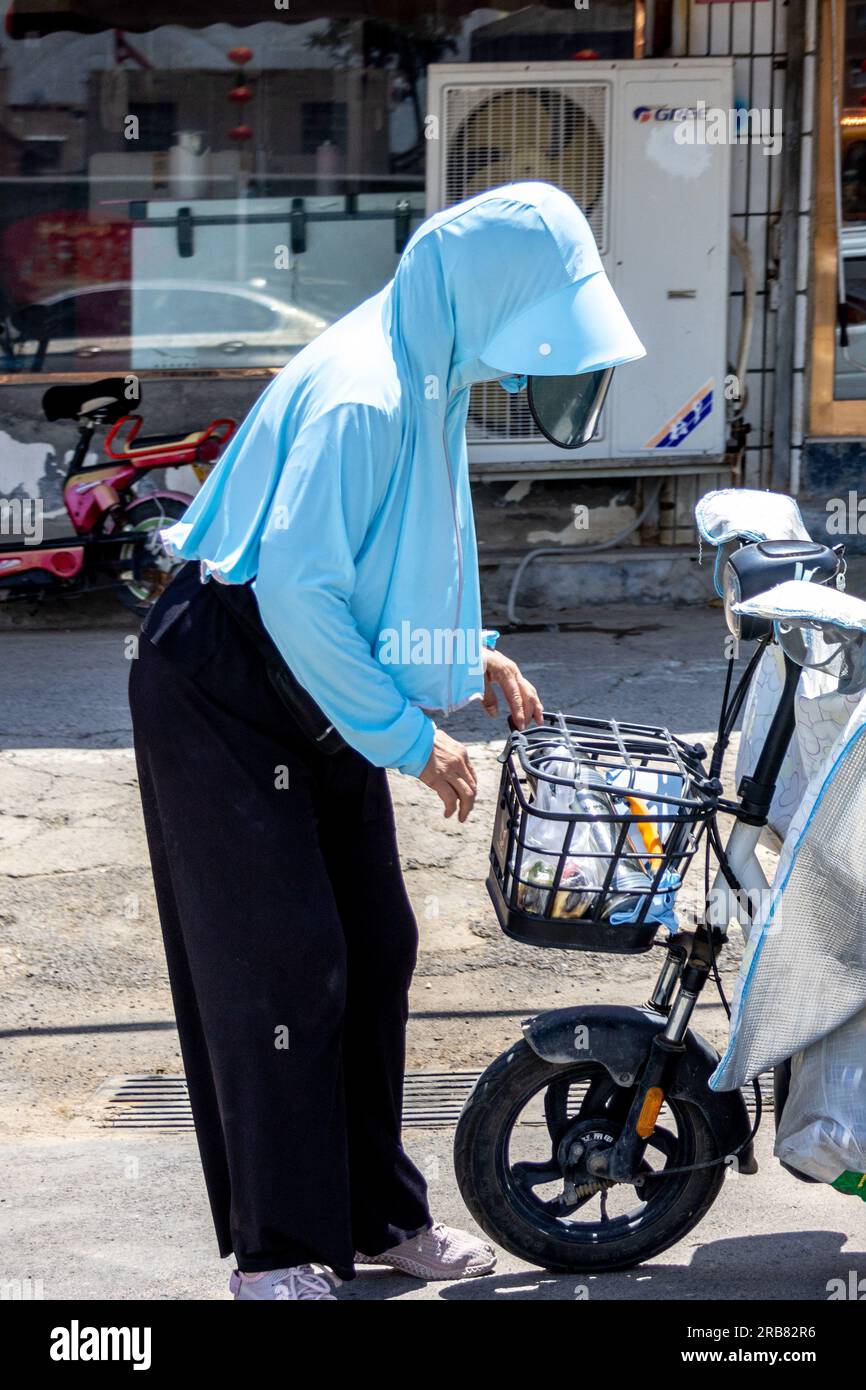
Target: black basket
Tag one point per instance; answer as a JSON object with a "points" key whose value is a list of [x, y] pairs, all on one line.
{"points": [[595, 827]]}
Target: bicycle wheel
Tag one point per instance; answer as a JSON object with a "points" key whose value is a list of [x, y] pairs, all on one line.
{"points": [[145, 571], [512, 1151]]}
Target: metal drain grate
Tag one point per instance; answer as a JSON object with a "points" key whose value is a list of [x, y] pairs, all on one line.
{"points": [[435, 1098], [768, 1098], [431, 1100], [146, 1102]]}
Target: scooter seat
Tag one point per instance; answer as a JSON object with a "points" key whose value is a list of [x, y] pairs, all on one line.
{"points": [[799, 603], [156, 441], [107, 398]]}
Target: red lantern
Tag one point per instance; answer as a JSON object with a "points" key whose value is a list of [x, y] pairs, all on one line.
{"points": [[585, 55], [240, 93]]}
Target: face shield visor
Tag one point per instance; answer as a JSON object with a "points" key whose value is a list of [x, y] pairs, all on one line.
{"points": [[565, 349], [566, 408]]}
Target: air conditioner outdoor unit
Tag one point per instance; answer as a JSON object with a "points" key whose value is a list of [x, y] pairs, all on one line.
{"points": [[658, 206]]}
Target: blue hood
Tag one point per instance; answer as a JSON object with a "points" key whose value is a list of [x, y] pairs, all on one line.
{"points": [[345, 493]]}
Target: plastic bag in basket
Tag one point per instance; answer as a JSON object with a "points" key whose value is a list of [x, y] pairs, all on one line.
{"points": [[594, 843], [544, 839]]}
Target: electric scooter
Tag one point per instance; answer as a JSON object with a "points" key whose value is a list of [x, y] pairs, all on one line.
{"points": [[595, 1142], [116, 533]]}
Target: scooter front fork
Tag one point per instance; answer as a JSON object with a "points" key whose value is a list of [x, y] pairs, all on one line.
{"points": [[675, 958], [622, 1161]]}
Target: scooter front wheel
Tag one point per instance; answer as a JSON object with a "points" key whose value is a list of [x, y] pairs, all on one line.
{"points": [[514, 1154]]}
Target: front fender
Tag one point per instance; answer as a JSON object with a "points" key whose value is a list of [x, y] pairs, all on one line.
{"points": [[618, 1037]]}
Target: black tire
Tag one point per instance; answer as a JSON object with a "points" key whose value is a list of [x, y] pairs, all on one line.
{"points": [[481, 1164], [139, 587]]}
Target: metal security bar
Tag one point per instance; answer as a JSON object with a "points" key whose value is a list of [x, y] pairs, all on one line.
{"points": [[297, 220]]}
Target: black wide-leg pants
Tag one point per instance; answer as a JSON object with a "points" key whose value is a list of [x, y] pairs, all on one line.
{"points": [[290, 945]]}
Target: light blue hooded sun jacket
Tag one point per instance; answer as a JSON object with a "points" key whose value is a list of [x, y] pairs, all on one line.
{"points": [[345, 494]]}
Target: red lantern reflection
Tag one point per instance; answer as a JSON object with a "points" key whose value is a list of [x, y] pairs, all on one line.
{"points": [[241, 92]]}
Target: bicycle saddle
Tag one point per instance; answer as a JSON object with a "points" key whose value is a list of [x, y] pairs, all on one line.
{"points": [[107, 398]]}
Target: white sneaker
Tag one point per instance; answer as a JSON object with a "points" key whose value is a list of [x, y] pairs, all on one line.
{"points": [[440, 1252], [299, 1282]]}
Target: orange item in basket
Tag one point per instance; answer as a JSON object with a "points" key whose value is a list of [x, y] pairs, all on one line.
{"points": [[648, 832]]}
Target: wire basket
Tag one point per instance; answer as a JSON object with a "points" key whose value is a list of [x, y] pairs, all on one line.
{"points": [[596, 825]]}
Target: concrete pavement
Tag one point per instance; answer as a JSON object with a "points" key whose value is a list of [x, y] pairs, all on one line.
{"points": [[94, 1213], [127, 1218]]}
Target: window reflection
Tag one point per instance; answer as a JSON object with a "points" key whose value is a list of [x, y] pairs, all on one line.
{"points": [[206, 195], [853, 115], [850, 375]]}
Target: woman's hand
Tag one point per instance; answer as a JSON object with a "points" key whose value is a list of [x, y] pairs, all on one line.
{"points": [[520, 694], [450, 774]]}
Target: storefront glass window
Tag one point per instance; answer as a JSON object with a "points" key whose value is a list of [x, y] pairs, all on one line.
{"points": [[192, 193], [850, 378]]}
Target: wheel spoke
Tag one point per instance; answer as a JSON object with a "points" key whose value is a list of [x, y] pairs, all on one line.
{"points": [[556, 1111], [558, 1208], [665, 1143], [572, 1207], [596, 1097], [663, 1140], [532, 1175]]}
